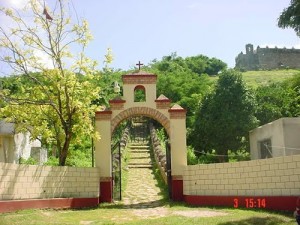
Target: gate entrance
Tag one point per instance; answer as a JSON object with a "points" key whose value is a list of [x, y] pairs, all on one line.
{"points": [[169, 168], [139, 99], [116, 171]]}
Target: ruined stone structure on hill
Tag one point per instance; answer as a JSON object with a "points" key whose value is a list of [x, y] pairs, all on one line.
{"points": [[267, 58]]}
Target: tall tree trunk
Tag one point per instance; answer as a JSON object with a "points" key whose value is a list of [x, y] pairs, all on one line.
{"points": [[64, 150]]}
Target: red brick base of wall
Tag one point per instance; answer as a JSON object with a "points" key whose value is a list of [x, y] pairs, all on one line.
{"points": [[177, 190], [106, 188], [61, 203]]}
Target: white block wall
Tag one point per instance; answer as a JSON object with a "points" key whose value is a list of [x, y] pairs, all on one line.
{"points": [[264, 177], [284, 136], [34, 182]]}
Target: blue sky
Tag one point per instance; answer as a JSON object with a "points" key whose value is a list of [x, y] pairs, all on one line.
{"points": [[144, 30], [149, 29]]}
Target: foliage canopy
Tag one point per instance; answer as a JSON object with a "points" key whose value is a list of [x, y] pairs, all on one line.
{"points": [[56, 104], [225, 116], [290, 17]]}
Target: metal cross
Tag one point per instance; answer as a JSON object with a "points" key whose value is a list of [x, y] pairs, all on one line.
{"points": [[139, 65]]}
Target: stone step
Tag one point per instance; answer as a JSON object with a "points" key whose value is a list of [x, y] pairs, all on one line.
{"points": [[139, 146], [135, 149], [140, 157], [139, 160], [139, 151], [142, 163], [140, 166]]}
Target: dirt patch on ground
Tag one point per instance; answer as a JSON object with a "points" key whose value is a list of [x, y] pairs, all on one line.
{"points": [[86, 222], [162, 212], [46, 213], [199, 213], [151, 213]]}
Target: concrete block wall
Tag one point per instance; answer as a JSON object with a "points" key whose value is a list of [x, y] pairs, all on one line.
{"points": [[264, 177], [21, 182]]}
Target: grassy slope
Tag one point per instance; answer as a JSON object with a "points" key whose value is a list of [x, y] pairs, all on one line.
{"points": [[258, 78]]}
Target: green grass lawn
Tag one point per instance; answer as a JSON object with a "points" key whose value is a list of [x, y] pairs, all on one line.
{"points": [[168, 214]]}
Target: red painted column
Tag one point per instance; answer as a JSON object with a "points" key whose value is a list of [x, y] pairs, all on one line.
{"points": [[106, 189], [177, 188]]}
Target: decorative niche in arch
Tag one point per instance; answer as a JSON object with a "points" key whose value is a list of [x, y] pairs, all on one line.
{"points": [[139, 94]]}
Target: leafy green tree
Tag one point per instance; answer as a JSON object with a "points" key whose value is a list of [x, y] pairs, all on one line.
{"points": [[204, 65], [225, 117], [184, 80], [169, 63], [57, 108], [276, 101], [185, 88], [199, 64], [215, 66], [290, 17], [106, 84]]}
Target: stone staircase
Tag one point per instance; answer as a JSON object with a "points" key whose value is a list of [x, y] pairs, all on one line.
{"points": [[142, 190], [140, 156], [139, 148]]}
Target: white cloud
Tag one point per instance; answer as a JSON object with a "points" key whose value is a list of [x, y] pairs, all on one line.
{"points": [[17, 4], [44, 59]]}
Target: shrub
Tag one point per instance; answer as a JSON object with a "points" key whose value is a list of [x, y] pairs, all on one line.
{"points": [[191, 157], [29, 161]]}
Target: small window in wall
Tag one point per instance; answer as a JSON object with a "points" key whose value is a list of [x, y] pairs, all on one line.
{"points": [[139, 94], [265, 149]]}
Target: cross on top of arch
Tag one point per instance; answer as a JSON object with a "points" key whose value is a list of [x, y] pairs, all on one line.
{"points": [[139, 65]]}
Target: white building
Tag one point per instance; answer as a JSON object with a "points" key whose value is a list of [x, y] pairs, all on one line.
{"points": [[14, 146], [278, 138]]}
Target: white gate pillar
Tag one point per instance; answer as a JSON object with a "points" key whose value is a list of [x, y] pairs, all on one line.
{"points": [[103, 154], [178, 150]]}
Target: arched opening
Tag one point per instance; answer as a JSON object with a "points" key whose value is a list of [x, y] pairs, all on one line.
{"points": [[142, 152], [139, 93], [141, 111]]}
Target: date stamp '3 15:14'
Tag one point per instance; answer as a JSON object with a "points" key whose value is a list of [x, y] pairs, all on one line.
{"points": [[250, 203]]}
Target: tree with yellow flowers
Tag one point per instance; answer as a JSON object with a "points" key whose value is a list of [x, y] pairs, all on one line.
{"points": [[56, 104]]}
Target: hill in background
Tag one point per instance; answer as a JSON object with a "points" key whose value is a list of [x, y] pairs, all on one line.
{"points": [[264, 77]]}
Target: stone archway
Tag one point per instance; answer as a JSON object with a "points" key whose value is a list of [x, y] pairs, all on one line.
{"points": [[122, 107], [141, 111]]}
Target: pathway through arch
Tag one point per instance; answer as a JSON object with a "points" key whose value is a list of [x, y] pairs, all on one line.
{"points": [[142, 189]]}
